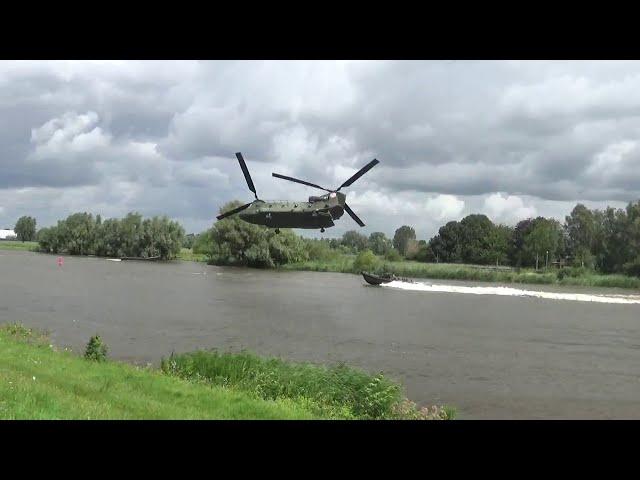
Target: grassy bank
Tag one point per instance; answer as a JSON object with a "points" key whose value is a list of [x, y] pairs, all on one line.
{"points": [[187, 255], [38, 381], [448, 271], [15, 245], [334, 391]]}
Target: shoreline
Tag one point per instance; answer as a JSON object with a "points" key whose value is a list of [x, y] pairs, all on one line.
{"points": [[417, 270], [199, 384]]}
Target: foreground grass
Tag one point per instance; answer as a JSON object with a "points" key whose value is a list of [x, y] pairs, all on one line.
{"points": [[449, 271], [330, 391], [16, 245], [37, 382]]}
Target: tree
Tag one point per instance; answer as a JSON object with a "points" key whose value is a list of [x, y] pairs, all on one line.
{"points": [[425, 252], [160, 237], [612, 246], [446, 245], [234, 241], [580, 228], [545, 236], [402, 238], [354, 240], [520, 231], [474, 237], [379, 243], [499, 242], [188, 241], [80, 233], [25, 229], [48, 240]]}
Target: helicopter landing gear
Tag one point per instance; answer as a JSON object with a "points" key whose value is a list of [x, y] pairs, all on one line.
{"points": [[277, 231], [322, 230]]}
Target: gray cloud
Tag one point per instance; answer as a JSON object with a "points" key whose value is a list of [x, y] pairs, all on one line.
{"points": [[453, 137]]}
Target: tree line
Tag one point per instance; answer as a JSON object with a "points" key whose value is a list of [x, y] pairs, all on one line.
{"points": [[131, 236], [605, 240]]}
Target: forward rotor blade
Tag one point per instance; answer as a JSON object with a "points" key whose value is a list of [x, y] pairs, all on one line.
{"points": [[353, 215], [234, 211], [359, 173], [291, 179], [247, 176]]}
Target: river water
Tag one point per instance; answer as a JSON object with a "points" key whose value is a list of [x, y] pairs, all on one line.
{"points": [[492, 355]]}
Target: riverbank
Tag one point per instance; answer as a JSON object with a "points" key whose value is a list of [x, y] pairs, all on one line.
{"points": [[39, 381], [343, 263], [447, 271], [16, 245]]}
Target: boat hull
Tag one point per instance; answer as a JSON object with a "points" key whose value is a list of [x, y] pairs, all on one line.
{"points": [[375, 279]]}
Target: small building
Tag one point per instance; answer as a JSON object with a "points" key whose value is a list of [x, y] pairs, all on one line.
{"points": [[6, 234]]}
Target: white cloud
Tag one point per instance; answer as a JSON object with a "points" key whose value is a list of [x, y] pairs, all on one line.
{"points": [[508, 209], [67, 135], [444, 207], [160, 136]]}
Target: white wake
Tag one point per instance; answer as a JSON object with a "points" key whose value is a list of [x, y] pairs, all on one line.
{"points": [[514, 292]]}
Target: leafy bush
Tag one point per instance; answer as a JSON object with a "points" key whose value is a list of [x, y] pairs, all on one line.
{"points": [[319, 250], [96, 349], [393, 256], [366, 260], [82, 234], [351, 391], [632, 268], [573, 272]]}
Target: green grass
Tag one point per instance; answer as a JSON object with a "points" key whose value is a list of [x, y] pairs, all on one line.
{"points": [[15, 245], [38, 382], [336, 391], [449, 271], [187, 255], [340, 263]]}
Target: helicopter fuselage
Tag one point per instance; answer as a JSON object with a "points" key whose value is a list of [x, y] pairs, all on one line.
{"points": [[317, 212]]}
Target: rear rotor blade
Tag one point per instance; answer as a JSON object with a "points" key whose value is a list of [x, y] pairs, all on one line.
{"points": [[291, 179], [247, 176], [234, 211], [353, 215], [359, 173]]}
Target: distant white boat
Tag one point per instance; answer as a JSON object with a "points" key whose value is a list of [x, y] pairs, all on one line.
{"points": [[115, 259]]}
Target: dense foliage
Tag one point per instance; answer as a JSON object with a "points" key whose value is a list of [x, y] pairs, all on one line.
{"points": [[25, 229], [82, 234], [331, 391], [232, 241], [604, 240], [402, 240]]}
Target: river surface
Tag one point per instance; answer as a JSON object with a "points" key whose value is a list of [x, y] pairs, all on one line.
{"points": [[490, 356]]}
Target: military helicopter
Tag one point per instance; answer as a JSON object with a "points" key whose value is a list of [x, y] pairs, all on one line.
{"points": [[317, 212]]}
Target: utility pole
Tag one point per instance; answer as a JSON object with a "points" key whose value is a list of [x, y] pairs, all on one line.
{"points": [[536, 261], [546, 264]]}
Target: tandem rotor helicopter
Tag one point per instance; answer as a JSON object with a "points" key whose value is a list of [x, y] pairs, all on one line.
{"points": [[317, 212]]}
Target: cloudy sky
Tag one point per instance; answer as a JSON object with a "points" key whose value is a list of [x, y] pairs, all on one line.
{"points": [[508, 139]]}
